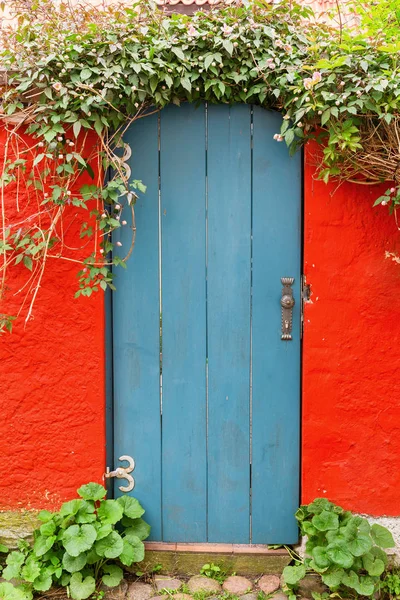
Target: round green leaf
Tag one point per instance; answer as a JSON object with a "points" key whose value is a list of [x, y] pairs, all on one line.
{"points": [[128, 554], [81, 588], [373, 566], [366, 586], [14, 562], [70, 508], [85, 513], [325, 521], [340, 555], [351, 580], [92, 491], [292, 575], [72, 564], [333, 577], [111, 546], [359, 545], [137, 545], [320, 557], [382, 536], [43, 582], [79, 538], [113, 575], [31, 569], [43, 544], [131, 507], [110, 512], [103, 530], [48, 528], [138, 528], [9, 592]]}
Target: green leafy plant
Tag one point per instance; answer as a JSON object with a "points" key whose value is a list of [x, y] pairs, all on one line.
{"points": [[81, 546], [344, 549], [214, 572], [390, 586]]}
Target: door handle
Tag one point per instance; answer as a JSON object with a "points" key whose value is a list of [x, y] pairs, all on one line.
{"points": [[287, 303]]}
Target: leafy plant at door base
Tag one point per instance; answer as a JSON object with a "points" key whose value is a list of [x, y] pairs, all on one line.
{"points": [[79, 70], [80, 547], [343, 548]]}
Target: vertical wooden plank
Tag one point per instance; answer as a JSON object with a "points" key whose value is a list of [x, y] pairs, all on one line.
{"points": [[228, 310], [276, 364], [184, 327], [136, 311]]}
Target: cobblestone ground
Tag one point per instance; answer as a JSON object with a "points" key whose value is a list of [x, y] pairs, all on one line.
{"points": [[200, 587]]}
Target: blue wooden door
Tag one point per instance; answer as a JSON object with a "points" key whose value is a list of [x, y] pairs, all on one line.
{"points": [[206, 394]]}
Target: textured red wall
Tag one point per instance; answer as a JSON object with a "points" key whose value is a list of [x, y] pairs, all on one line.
{"points": [[351, 357], [52, 430]]}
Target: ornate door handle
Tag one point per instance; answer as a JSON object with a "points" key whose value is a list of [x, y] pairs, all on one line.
{"points": [[123, 473], [287, 303]]}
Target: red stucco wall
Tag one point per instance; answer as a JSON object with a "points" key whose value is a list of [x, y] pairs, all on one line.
{"points": [[52, 430], [351, 350], [52, 373]]}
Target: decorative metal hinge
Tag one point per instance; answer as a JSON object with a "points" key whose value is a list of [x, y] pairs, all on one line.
{"points": [[123, 473], [287, 303]]}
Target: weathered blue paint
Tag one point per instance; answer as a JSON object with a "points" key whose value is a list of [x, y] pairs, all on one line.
{"points": [[228, 310], [276, 364], [183, 206], [136, 315], [221, 462]]}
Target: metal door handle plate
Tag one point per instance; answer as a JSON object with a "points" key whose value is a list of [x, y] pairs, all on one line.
{"points": [[287, 303]]}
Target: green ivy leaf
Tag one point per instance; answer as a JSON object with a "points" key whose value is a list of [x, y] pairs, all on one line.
{"points": [[113, 575], [292, 575], [382, 536], [131, 507], [72, 564], [110, 546], [78, 538], [80, 588], [92, 491]]}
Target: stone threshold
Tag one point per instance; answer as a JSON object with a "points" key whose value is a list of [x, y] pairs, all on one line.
{"points": [[214, 548], [251, 560]]}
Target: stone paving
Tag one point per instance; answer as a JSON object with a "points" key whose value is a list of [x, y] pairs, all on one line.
{"points": [[200, 587]]}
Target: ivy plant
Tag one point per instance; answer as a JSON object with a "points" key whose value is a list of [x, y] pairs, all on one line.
{"points": [[344, 549], [77, 76], [83, 545]]}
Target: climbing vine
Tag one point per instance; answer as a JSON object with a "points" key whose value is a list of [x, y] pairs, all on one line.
{"points": [[76, 77]]}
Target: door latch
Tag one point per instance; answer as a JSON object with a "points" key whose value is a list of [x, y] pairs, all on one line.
{"points": [[287, 303], [123, 473]]}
